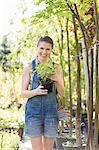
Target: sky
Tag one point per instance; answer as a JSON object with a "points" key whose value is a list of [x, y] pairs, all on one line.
{"points": [[7, 10]]}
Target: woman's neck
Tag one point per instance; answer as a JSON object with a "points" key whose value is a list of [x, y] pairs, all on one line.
{"points": [[42, 61]]}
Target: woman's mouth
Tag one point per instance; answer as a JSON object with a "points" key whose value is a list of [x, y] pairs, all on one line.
{"points": [[43, 55]]}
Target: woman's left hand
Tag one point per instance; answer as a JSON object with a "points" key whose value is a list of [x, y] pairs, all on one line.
{"points": [[54, 77]]}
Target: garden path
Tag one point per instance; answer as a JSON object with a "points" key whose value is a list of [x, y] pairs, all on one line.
{"points": [[26, 144]]}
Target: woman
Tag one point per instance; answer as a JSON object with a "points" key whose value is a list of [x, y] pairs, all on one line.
{"points": [[41, 119]]}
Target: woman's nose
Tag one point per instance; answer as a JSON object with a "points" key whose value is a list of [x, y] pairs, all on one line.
{"points": [[44, 51]]}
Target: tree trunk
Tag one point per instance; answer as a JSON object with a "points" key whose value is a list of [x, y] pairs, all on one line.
{"points": [[90, 106], [61, 40], [88, 73], [78, 114], [60, 44], [96, 77], [69, 71], [89, 93], [87, 84]]}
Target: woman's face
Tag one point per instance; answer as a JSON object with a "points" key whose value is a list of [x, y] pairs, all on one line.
{"points": [[44, 51]]}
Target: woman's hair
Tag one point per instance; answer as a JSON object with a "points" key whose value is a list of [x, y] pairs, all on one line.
{"points": [[46, 39]]}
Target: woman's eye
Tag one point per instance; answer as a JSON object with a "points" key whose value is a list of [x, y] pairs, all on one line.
{"points": [[41, 48], [48, 49]]}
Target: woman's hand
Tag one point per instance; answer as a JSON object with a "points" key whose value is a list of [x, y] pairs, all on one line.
{"points": [[40, 90], [26, 93], [54, 77]]}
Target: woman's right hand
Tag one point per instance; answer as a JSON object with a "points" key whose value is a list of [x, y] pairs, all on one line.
{"points": [[25, 92], [40, 90]]}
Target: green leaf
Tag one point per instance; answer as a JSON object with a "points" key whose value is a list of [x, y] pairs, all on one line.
{"points": [[45, 70], [37, 2]]}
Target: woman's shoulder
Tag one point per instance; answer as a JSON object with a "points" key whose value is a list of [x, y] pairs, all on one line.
{"points": [[59, 67], [27, 68]]}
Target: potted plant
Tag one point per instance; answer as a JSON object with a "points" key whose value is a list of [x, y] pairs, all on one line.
{"points": [[64, 138], [69, 145], [59, 141], [45, 70]]}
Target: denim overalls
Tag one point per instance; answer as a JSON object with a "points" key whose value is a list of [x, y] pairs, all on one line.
{"points": [[41, 116]]}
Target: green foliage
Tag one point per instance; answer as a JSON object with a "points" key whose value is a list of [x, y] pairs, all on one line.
{"points": [[69, 144], [52, 8], [37, 2], [13, 121], [85, 6], [9, 60], [24, 21], [4, 52], [9, 141], [45, 70], [10, 121], [15, 63]]}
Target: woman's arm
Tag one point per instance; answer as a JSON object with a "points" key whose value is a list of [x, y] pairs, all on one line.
{"points": [[60, 82], [26, 93]]}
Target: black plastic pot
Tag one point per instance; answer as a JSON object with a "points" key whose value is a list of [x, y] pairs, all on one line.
{"points": [[48, 85]]}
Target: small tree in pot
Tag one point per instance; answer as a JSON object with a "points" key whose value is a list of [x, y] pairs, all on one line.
{"points": [[45, 70]]}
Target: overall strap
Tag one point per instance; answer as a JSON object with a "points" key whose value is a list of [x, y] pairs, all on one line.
{"points": [[33, 64]]}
